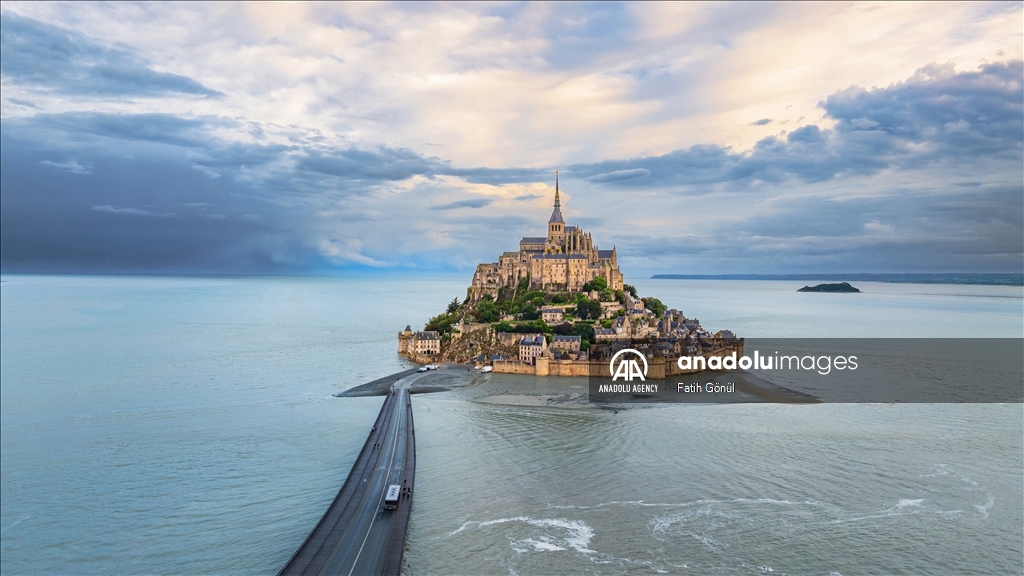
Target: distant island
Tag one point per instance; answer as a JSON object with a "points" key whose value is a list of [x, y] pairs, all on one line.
{"points": [[841, 287], [558, 306], [981, 278]]}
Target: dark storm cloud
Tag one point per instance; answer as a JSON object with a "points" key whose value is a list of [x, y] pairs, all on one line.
{"points": [[128, 213], [54, 59], [935, 116], [156, 128]]}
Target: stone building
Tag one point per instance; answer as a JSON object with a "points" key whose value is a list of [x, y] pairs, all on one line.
{"points": [[427, 342], [404, 338], [563, 261], [550, 315], [567, 343], [531, 347]]}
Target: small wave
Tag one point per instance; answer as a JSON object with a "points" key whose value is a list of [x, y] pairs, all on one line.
{"points": [[904, 507], [542, 545], [642, 503], [984, 508], [578, 534], [708, 541], [940, 470]]}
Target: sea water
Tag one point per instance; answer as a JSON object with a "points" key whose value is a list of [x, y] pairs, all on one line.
{"points": [[186, 425]]}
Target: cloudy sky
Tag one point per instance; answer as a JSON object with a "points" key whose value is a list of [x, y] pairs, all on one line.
{"points": [[696, 138]]}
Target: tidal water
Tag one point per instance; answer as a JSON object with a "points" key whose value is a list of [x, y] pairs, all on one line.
{"points": [[186, 425]]}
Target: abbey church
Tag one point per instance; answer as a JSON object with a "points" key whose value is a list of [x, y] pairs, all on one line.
{"points": [[562, 261]]}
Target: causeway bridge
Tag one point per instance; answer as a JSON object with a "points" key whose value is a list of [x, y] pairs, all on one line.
{"points": [[356, 535]]}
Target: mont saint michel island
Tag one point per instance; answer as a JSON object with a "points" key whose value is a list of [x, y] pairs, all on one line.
{"points": [[559, 306]]}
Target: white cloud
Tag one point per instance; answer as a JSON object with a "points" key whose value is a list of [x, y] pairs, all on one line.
{"points": [[132, 211], [70, 166], [483, 81]]}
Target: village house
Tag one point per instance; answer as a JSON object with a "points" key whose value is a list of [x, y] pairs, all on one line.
{"points": [[531, 347], [562, 343], [426, 342], [550, 315]]}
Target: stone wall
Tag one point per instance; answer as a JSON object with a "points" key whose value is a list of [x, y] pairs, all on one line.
{"points": [[513, 367], [510, 338], [657, 368], [423, 358]]}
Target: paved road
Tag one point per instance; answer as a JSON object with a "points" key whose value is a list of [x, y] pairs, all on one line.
{"points": [[356, 535]]}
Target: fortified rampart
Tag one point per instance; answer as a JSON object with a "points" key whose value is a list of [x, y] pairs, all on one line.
{"points": [[658, 368]]}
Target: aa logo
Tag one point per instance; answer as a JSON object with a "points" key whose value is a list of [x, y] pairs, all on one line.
{"points": [[624, 365]]}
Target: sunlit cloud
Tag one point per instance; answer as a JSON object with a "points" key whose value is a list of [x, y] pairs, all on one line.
{"points": [[693, 137]]}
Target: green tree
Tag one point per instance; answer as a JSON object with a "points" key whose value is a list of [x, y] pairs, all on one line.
{"points": [[630, 289], [606, 296], [453, 306], [584, 330], [588, 309], [530, 312], [442, 323], [503, 327], [486, 311], [600, 283], [654, 305]]}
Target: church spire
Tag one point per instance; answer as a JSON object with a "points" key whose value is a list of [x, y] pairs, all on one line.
{"points": [[557, 203], [556, 214]]}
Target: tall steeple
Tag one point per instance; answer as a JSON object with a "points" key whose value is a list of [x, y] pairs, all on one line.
{"points": [[556, 215], [557, 203]]}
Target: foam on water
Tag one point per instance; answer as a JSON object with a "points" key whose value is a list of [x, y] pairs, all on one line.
{"points": [[571, 534]]}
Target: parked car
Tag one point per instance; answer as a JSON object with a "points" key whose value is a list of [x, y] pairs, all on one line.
{"points": [[422, 369]]}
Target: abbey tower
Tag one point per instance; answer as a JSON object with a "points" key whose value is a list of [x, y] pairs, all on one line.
{"points": [[563, 261]]}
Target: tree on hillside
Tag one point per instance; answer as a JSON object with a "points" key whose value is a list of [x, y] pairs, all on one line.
{"points": [[587, 309], [453, 306], [654, 305], [600, 283], [630, 289], [441, 323], [563, 329], [584, 330], [486, 311]]}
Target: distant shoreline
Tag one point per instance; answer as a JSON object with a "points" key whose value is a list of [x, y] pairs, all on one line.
{"points": [[980, 278]]}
